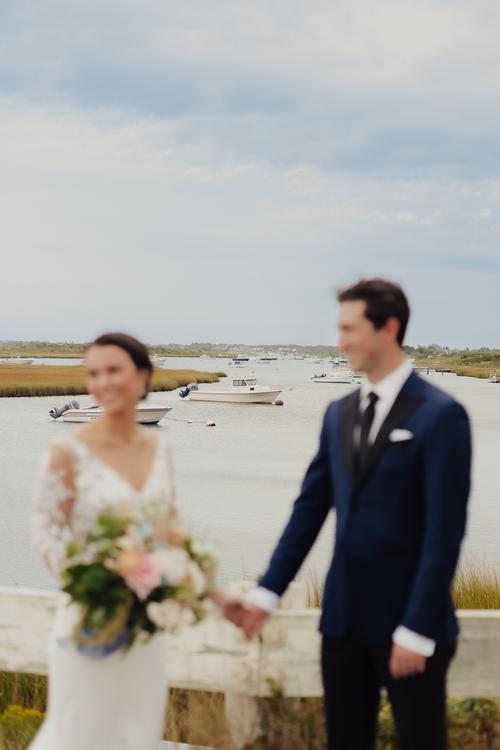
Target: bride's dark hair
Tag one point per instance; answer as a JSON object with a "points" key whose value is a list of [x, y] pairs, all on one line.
{"points": [[134, 348]]}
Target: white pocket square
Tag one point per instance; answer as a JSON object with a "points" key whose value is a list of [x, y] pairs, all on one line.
{"points": [[400, 436]]}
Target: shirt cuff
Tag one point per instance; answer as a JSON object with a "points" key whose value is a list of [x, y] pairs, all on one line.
{"points": [[412, 641], [263, 598]]}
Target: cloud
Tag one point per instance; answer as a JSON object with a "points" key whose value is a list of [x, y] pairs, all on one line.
{"points": [[109, 222], [392, 87]]}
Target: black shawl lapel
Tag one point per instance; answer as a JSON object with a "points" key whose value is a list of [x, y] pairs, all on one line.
{"points": [[349, 414], [404, 405]]}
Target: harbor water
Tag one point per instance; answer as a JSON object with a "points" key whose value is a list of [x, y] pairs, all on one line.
{"points": [[237, 481]]}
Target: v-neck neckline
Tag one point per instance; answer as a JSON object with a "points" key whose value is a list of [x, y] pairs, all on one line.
{"points": [[95, 457]]}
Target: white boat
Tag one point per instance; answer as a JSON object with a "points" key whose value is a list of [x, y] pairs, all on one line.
{"points": [[243, 390], [16, 361], [339, 378], [156, 360], [144, 413], [494, 379]]}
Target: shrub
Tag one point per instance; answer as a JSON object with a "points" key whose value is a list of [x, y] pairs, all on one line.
{"points": [[18, 726]]}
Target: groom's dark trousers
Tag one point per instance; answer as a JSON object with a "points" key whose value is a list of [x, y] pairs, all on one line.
{"points": [[399, 526]]}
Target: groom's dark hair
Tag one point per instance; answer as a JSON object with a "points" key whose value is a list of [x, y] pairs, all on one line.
{"points": [[384, 300]]}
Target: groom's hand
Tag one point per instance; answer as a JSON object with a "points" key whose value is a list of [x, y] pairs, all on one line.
{"points": [[404, 663], [254, 620]]}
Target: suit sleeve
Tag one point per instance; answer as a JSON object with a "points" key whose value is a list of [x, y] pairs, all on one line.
{"points": [[447, 464], [308, 515]]}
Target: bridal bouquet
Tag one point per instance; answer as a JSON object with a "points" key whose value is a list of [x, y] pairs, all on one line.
{"points": [[135, 574]]}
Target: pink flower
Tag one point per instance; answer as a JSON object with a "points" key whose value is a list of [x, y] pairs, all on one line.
{"points": [[127, 562], [145, 577]]}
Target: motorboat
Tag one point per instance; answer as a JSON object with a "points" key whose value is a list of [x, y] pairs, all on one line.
{"points": [[243, 390], [157, 360], [338, 378], [494, 379], [71, 412]]}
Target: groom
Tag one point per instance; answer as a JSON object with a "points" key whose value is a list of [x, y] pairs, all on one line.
{"points": [[394, 462]]}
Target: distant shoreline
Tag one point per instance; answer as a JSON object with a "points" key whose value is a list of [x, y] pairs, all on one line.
{"points": [[476, 363]]}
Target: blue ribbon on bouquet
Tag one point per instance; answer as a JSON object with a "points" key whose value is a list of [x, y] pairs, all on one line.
{"points": [[97, 652]]}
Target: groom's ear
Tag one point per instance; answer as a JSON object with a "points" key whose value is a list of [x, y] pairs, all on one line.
{"points": [[392, 328]]}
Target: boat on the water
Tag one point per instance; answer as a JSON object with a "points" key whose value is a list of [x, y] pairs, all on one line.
{"points": [[243, 390], [144, 413], [338, 378], [494, 379]]}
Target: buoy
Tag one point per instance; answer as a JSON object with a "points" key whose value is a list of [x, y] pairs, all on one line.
{"points": [[278, 402]]}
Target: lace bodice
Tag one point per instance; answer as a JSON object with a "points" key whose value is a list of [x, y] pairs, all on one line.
{"points": [[74, 486]]}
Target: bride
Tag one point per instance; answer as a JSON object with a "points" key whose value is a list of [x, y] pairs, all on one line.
{"points": [[119, 701]]}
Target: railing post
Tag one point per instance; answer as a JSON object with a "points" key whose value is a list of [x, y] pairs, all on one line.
{"points": [[241, 705]]}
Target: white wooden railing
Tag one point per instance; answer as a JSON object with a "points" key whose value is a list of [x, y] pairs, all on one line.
{"points": [[215, 656]]}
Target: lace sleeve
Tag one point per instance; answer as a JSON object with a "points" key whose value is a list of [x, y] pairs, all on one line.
{"points": [[54, 494]]}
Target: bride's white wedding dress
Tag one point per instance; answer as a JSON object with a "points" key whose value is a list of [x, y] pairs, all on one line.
{"points": [[117, 702]]}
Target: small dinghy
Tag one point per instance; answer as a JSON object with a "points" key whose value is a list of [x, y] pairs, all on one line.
{"points": [[71, 412]]}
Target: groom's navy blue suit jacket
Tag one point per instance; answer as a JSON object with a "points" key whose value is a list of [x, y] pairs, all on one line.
{"points": [[399, 526]]}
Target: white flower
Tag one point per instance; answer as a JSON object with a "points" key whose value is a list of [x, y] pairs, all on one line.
{"points": [[201, 549], [198, 579], [165, 615], [187, 616], [173, 564], [130, 540]]}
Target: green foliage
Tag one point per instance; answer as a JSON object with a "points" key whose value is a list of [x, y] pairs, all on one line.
{"points": [[18, 726], [386, 732], [23, 689], [290, 723], [479, 363]]}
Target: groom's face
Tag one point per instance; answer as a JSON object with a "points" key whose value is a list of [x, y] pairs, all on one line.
{"points": [[362, 343]]}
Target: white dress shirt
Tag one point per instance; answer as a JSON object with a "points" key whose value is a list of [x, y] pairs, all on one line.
{"points": [[387, 391]]}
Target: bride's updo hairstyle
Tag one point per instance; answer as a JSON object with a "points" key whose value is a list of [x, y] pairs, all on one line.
{"points": [[134, 348]]}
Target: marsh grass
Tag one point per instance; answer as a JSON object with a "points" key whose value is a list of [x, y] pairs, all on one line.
{"points": [[476, 587], [64, 380], [197, 718]]}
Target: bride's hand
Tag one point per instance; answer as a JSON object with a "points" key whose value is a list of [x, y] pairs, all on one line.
{"points": [[233, 608]]}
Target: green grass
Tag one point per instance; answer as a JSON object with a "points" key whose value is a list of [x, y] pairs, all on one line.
{"points": [[63, 380], [474, 363]]}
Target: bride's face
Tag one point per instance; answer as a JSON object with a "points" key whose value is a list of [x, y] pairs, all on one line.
{"points": [[113, 378]]}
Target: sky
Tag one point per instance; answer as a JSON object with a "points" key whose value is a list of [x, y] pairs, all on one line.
{"points": [[194, 171]]}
